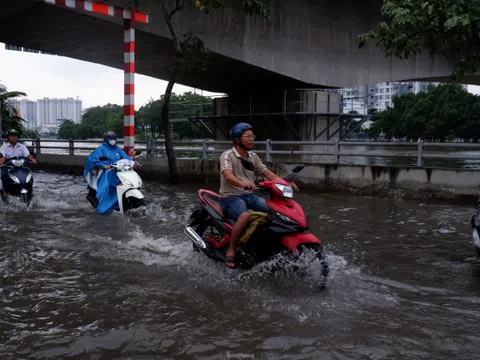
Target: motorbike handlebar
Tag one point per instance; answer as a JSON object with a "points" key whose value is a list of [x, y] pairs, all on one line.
{"points": [[258, 188], [8, 162], [114, 165]]}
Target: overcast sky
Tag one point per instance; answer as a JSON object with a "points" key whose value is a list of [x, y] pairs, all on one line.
{"points": [[55, 76], [41, 76]]}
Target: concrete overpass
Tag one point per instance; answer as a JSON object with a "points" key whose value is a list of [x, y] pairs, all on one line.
{"points": [[304, 44]]}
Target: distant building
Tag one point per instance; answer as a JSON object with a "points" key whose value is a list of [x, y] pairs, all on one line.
{"points": [[379, 96], [27, 109], [353, 105], [49, 110], [43, 114]]}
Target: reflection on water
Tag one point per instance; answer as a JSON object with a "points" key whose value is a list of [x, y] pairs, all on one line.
{"points": [[403, 283]]}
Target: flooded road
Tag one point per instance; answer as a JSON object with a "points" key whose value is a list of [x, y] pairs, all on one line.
{"points": [[73, 284]]}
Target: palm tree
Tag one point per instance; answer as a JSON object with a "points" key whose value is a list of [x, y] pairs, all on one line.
{"points": [[9, 117]]}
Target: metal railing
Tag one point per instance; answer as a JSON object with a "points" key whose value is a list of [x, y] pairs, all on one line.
{"points": [[367, 153]]}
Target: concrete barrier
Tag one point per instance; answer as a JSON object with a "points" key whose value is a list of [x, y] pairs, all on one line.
{"points": [[358, 179]]}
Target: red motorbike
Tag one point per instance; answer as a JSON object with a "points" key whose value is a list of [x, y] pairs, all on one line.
{"points": [[284, 233]]}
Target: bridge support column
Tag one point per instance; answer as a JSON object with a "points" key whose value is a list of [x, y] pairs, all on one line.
{"points": [[129, 18], [129, 86]]}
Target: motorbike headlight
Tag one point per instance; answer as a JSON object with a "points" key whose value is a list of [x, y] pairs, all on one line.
{"points": [[286, 218], [125, 181], [14, 178], [29, 177], [286, 191], [18, 162]]}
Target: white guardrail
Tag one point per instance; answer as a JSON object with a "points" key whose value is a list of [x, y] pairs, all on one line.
{"points": [[337, 152]]}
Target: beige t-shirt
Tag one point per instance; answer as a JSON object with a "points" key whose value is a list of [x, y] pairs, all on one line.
{"points": [[231, 160]]}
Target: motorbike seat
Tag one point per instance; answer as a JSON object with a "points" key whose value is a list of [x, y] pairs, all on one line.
{"points": [[212, 199]]}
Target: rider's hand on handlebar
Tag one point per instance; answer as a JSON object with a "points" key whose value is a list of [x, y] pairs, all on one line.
{"points": [[294, 187], [33, 161], [106, 167], [250, 186]]}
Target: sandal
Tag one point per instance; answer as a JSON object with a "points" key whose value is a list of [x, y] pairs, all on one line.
{"points": [[230, 262]]}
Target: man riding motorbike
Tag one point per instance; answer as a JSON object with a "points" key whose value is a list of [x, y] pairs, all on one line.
{"points": [[99, 179], [236, 184], [9, 150]]}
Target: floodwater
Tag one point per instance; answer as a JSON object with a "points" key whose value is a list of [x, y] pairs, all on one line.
{"points": [[404, 283]]}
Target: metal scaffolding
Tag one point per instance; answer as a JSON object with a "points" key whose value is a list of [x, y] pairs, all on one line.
{"points": [[305, 113]]}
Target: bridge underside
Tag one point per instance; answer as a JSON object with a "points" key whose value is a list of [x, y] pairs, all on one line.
{"points": [[78, 35]]}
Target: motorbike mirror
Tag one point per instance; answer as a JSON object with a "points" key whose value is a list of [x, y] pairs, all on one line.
{"points": [[247, 164], [298, 168], [138, 152]]}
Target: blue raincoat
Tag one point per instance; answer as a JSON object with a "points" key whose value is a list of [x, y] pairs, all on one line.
{"points": [[105, 182]]}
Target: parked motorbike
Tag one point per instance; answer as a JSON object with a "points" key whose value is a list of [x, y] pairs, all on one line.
{"points": [[285, 232], [20, 180], [128, 191]]}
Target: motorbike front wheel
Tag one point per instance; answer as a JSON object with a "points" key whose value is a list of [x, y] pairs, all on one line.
{"points": [[26, 198], [311, 253], [131, 204]]}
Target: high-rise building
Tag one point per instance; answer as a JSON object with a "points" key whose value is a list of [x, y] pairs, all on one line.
{"points": [[51, 110], [27, 109], [379, 96]]}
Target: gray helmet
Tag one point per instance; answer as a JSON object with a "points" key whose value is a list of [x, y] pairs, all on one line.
{"points": [[110, 135]]}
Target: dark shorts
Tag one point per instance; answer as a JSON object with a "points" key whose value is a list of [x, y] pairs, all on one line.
{"points": [[235, 205]]}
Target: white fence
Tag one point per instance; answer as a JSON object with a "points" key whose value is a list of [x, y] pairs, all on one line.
{"points": [[371, 153]]}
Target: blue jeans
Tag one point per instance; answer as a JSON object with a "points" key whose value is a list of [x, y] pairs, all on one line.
{"points": [[235, 205]]}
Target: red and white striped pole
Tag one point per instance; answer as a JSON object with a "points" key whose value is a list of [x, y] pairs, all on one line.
{"points": [[129, 18], [129, 85]]}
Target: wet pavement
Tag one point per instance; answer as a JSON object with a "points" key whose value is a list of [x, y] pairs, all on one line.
{"points": [[404, 283]]}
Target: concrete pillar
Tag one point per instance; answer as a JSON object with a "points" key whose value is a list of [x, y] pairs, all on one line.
{"points": [[129, 18], [129, 86]]}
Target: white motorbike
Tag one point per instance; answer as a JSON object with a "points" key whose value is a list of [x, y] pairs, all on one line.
{"points": [[475, 223], [128, 191]]}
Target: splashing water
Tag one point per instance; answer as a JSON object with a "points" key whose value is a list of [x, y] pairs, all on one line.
{"points": [[75, 283]]}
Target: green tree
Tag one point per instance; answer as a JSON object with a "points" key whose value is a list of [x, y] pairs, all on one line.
{"points": [[183, 106], [9, 116], [115, 123], [449, 28], [445, 112], [191, 54], [96, 119], [67, 130]]}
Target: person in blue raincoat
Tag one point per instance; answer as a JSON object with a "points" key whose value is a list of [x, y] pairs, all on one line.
{"points": [[98, 176]]}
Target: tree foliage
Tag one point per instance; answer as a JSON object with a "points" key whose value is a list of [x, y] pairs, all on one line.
{"points": [[250, 7], [450, 28], [191, 54], [95, 121], [67, 130], [444, 112], [98, 119], [183, 106], [10, 117]]}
